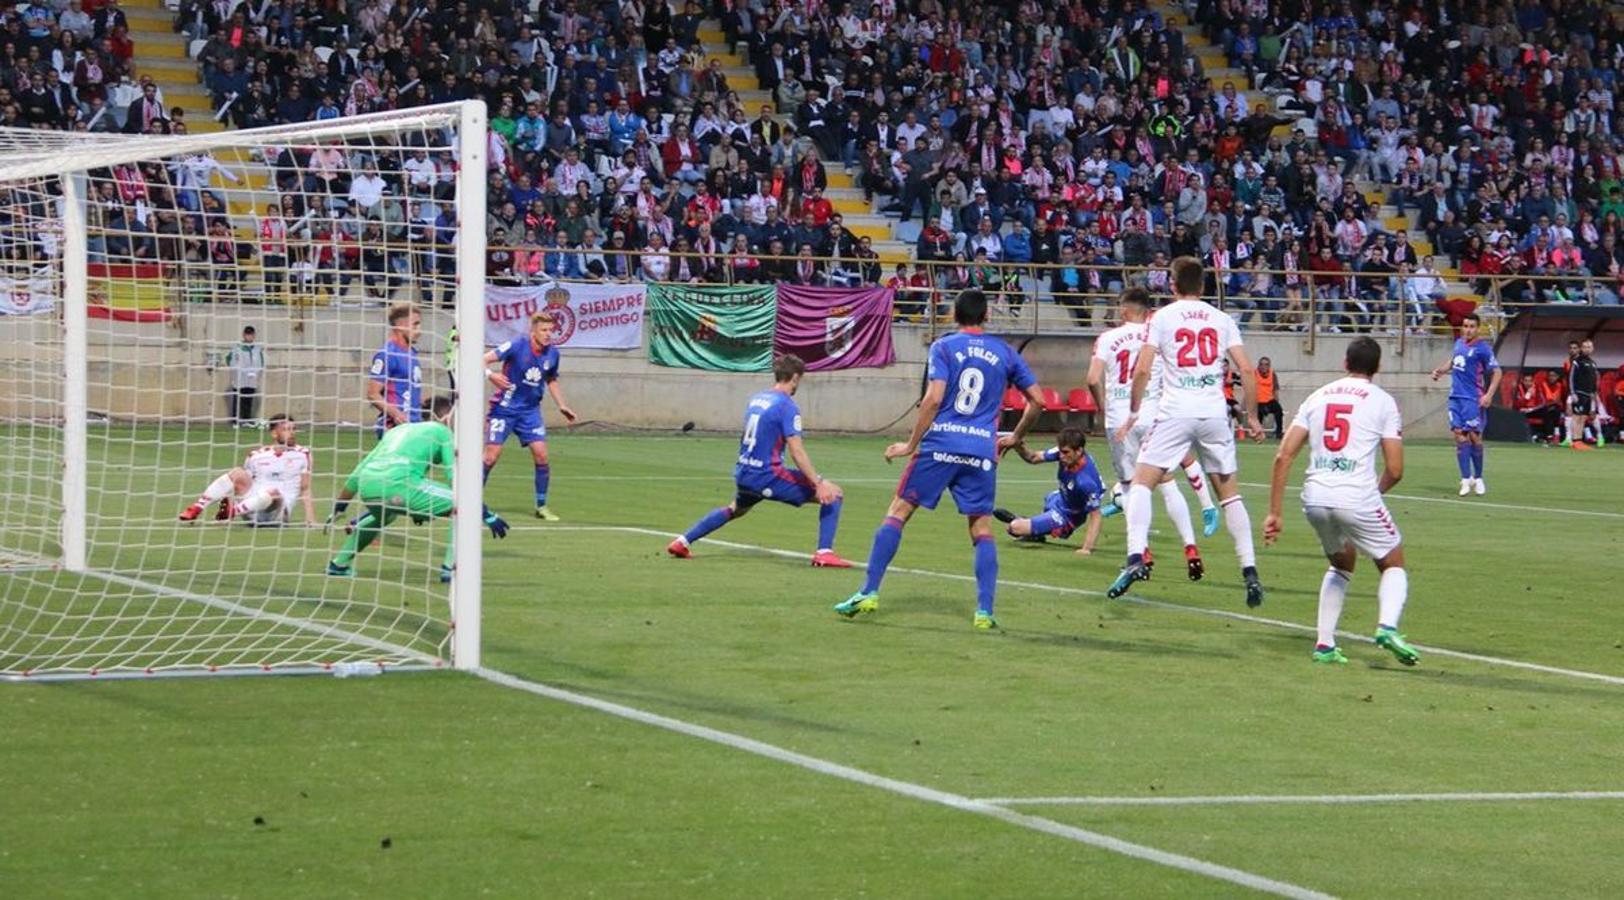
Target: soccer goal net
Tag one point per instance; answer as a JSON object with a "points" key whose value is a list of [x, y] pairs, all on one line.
{"points": [[203, 337]]}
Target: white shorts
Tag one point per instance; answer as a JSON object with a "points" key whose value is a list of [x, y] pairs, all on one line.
{"points": [[1168, 440], [1125, 453], [1371, 531]]}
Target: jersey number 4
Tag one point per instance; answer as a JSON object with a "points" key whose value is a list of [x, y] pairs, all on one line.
{"points": [[1197, 347], [750, 427], [1337, 425]]}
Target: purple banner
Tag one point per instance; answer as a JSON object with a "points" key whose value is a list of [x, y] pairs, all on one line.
{"points": [[835, 328]]}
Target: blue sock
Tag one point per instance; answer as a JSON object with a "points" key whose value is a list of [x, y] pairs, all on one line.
{"points": [[828, 521], [986, 573], [1477, 460], [1463, 457], [544, 474], [711, 521], [886, 541]]}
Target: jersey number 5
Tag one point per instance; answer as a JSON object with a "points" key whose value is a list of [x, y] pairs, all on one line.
{"points": [[1337, 425], [1197, 347]]}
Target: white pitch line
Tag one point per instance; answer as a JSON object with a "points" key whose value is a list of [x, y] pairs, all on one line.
{"points": [[1447, 501], [913, 791], [1309, 799], [1130, 598]]}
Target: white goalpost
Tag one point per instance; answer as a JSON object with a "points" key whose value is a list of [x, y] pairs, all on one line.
{"points": [[201, 337]]}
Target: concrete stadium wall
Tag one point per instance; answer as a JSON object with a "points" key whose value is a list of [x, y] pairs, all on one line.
{"points": [[316, 372]]}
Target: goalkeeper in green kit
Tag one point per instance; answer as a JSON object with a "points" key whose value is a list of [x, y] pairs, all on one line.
{"points": [[393, 479]]}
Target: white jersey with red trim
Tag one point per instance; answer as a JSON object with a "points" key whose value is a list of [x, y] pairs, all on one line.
{"points": [[1118, 350], [1191, 339], [280, 467], [1346, 420]]}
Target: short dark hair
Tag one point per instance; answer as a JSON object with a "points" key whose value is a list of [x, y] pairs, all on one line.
{"points": [[400, 312], [249, 329], [278, 419], [786, 367], [1472, 317], [1071, 438], [971, 307], [442, 405], [1135, 296], [1364, 357], [1189, 276]]}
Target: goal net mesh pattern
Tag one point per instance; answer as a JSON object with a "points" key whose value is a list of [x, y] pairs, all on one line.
{"points": [[311, 236]]}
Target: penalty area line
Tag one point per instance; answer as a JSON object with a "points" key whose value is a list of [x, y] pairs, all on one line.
{"points": [[1134, 599], [911, 790], [1307, 799]]}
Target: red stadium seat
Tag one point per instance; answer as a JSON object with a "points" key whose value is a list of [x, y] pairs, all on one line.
{"points": [[1052, 402], [1081, 401], [1014, 400]]}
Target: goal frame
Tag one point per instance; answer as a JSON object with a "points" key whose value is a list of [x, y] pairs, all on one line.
{"points": [[466, 601]]}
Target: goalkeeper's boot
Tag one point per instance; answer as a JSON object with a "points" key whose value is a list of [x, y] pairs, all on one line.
{"points": [[1133, 571], [190, 513], [1004, 515], [1390, 640], [546, 515], [1192, 561], [679, 549], [1332, 655], [445, 574], [984, 621], [338, 571], [826, 559], [1209, 521], [1254, 587], [860, 602]]}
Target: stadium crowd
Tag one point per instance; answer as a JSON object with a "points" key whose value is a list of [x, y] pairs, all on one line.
{"points": [[1069, 138]]}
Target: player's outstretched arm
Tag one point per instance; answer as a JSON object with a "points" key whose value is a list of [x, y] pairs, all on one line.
{"points": [[1029, 417], [388, 410], [340, 503], [1096, 385], [1290, 446], [1033, 457], [929, 405], [1141, 379], [308, 501], [1091, 533], [495, 376], [1392, 463], [828, 491], [1243, 365], [1494, 387], [558, 398]]}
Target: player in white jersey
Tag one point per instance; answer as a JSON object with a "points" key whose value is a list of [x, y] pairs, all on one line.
{"points": [[1110, 378], [266, 487], [1190, 338], [1344, 425]]}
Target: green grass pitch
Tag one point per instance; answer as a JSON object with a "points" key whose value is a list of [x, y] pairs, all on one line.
{"points": [[263, 787]]}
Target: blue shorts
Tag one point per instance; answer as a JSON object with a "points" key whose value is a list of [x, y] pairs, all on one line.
{"points": [[527, 426], [1060, 520], [972, 479], [1465, 414], [779, 485]]}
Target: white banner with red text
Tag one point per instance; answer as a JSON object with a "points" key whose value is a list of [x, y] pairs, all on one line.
{"points": [[588, 316]]}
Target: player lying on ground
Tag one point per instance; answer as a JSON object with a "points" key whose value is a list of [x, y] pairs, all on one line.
{"points": [[1075, 502], [1110, 380], [528, 367], [955, 447], [1190, 339], [772, 425], [1344, 424], [393, 479], [1474, 376], [266, 487]]}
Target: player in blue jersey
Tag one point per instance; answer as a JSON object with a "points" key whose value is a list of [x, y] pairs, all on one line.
{"points": [[772, 426], [1474, 377], [1076, 501], [395, 379], [529, 367], [955, 447]]}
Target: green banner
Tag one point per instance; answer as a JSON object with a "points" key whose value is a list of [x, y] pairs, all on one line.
{"points": [[724, 329]]}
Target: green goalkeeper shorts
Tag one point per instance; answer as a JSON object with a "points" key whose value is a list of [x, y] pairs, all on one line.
{"points": [[421, 497]]}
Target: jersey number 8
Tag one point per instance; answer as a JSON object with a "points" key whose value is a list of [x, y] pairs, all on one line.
{"points": [[971, 383]]}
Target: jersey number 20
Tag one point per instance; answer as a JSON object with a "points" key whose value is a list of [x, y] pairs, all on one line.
{"points": [[1197, 347]]}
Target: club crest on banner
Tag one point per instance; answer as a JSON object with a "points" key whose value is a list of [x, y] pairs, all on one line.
{"points": [[837, 335], [558, 303]]}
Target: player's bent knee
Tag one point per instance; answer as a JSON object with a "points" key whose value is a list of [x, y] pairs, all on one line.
{"points": [[1393, 560]]}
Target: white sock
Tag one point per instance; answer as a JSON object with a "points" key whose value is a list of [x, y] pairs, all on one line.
{"points": [[1198, 483], [1333, 591], [259, 498], [1178, 510], [1391, 594], [1137, 511], [1240, 528], [218, 489], [1574, 431]]}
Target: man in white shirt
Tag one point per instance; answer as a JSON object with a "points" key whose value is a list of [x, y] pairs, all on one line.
{"points": [[1344, 424], [1190, 338], [266, 486], [367, 189]]}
